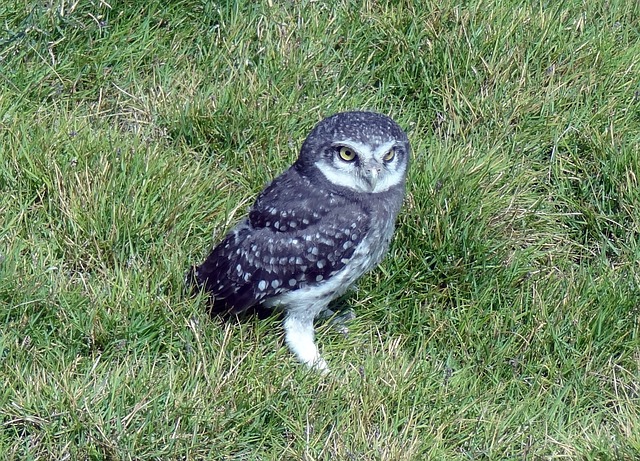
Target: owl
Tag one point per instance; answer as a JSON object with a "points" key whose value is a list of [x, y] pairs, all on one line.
{"points": [[315, 229]]}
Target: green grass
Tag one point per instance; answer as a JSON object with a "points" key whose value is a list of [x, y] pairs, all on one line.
{"points": [[503, 325]]}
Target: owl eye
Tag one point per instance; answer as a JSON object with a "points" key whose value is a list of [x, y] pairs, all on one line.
{"points": [[347, 154], [389, 156]]}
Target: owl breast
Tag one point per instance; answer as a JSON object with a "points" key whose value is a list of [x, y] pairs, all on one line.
{"points": [[375, 243], [368, 253]]}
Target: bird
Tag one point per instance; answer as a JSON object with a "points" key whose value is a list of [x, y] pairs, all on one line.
{"points": [[315, 229]]}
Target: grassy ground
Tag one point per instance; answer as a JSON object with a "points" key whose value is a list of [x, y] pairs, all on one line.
{"points": [[503, 325]]}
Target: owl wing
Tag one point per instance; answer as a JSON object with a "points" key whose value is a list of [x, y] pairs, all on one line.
{"points": [[285, 244]]}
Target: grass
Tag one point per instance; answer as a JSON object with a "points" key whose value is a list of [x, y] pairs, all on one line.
{"points": [[503, 325]]}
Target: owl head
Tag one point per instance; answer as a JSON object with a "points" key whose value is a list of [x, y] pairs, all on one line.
{"points": [[365, 152]]}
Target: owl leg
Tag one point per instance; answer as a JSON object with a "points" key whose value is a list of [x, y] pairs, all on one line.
{"points": [[338, 318], [299, 335]]}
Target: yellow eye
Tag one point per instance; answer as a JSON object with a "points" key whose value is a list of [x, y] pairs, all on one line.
{"points": [[347, 154], [389, 156]]}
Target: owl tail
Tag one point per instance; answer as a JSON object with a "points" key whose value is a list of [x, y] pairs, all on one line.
{"points": [[192, 283]]}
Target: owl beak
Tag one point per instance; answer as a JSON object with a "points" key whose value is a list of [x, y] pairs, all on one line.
{"points": [[371, 176]]}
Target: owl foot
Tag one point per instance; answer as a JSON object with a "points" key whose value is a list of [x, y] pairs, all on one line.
{"points": [[338, 319]]}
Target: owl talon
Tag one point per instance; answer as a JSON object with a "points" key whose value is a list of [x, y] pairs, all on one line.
{"points": [[321, 366], [342, 329]]}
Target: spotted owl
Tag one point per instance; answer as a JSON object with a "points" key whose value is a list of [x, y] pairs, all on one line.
{"points": [[315, 229]]}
